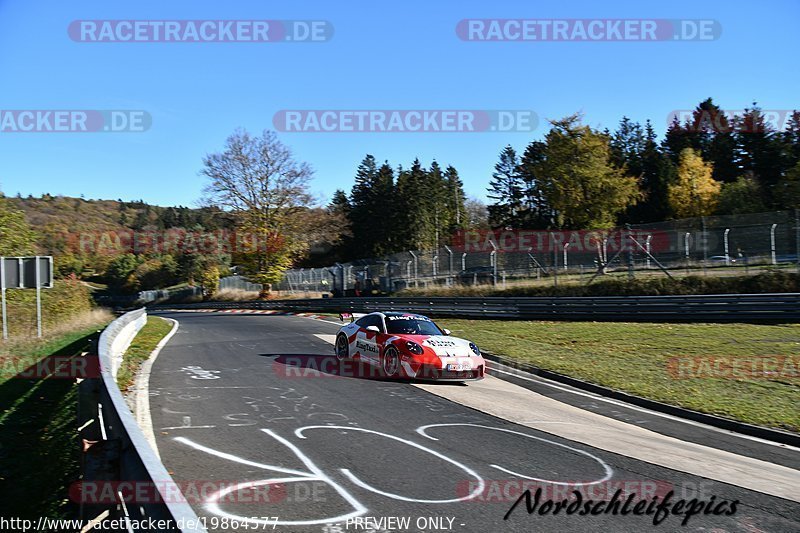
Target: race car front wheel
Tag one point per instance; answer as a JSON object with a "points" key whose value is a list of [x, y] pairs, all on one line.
{"points": [[391, 362], [342, 348]]}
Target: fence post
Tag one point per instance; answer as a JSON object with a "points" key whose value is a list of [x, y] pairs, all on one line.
{"points": [[555, 259], [705, 243], [566, 245], [686, 249], [647, 247], [624, 242], [450, 263], [772, 243], [725, 241], [416, 268], [493, 262]]}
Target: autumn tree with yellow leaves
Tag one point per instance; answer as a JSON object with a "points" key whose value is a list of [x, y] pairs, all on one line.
{"points": [[695, 193]]}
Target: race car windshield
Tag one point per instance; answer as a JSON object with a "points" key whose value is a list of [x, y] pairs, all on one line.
{"points": [[412, 326]]}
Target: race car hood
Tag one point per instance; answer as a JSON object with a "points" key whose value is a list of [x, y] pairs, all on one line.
{"points": [[446, 346]]}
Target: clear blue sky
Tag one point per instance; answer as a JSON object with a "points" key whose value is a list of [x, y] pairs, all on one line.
{"points": [[384, 55]]}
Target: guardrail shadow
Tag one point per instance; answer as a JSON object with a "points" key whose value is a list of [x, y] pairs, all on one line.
{"points": [[39, 452]]}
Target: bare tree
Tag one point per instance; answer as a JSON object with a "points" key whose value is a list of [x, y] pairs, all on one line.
{"points": [[258, 180]]}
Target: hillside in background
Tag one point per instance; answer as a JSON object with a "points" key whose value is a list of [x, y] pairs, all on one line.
{"points": [[51, 214]]}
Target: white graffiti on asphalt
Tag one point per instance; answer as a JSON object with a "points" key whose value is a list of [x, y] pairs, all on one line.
{"points": [[422, 430], [315, 473]]}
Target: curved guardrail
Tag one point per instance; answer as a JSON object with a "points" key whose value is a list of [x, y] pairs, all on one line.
{"points": [[781, 307], [119, 452]]}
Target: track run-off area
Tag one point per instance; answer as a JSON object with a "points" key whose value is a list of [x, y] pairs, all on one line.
{"points": [[264, 430]]}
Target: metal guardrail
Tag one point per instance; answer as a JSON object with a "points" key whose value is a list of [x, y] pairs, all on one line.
{"points": [[120, 452], [780, 307]]}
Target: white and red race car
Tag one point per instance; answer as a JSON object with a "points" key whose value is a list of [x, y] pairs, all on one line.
{"points": [[407, 345]]}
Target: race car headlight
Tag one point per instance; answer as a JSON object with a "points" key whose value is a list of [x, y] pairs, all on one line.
{"points": [[414, 348], [474, 348]]}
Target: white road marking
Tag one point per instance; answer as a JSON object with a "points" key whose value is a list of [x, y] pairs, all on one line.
{"points": [[331, 339], [235, 459], [314, 474], [478, 490], [609, 472]]}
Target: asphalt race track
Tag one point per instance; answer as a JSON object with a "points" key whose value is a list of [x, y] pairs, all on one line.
{"points": [[239, 399]]}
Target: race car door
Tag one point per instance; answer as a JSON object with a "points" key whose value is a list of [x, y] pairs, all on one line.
{"points": [[367, 339]]}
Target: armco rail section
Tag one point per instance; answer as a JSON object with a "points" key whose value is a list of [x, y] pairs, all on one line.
{"points": [[770, 308], [118, 458]]}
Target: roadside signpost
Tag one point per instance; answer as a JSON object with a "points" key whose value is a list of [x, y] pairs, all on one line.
{"points": [[25, 273]]}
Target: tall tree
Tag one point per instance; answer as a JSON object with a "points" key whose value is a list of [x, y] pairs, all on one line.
{"points": [[535, 212], [740, 197], [627, 144], [760, 152], [695, 193], [578, 179], [505, 188], [370, 219], [710, 132], [260, 181], [791, 139], [477, 215], [789, 188], [656, 173], [455, 200]]}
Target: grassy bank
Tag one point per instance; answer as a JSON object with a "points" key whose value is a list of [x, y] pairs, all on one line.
{"points": [[620, 285], [638, 358], [140, 349], [39, 447]]}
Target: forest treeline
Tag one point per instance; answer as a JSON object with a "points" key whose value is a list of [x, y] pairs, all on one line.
{"points": [[573, 177]]}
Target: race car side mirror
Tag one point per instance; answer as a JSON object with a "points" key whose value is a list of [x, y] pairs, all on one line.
{"points": [[446, 331], [373, 328]]}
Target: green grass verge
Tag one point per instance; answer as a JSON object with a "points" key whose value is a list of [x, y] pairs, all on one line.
{"points": [[39, 448], [635, 358], [140, 349], [23, 354]]}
